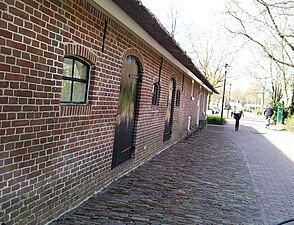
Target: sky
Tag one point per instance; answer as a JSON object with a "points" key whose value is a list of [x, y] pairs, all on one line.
{"points": [[201, 13], [205, 19]]}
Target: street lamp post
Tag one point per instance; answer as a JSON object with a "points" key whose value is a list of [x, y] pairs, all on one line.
{"points": [[229, 100], [230, 91], [224, 90]]}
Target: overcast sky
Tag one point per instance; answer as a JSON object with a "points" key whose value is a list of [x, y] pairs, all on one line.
{"points": [[201, 13], [205, 18]]}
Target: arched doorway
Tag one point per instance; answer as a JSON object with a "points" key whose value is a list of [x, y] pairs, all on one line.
{"points": [[169, 110], [127, 107]]}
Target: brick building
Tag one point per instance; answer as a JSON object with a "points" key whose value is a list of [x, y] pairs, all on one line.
{"points": [[90, 89]]}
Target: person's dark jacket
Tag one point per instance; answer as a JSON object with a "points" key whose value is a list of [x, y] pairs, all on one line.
{"points": [[268, 112]]}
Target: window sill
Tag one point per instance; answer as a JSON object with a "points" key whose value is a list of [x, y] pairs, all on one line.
{"points": [[154, 107], [72, 109]]}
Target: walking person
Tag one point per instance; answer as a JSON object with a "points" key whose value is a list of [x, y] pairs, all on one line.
{"points": [[238, 110], [268, 112]]}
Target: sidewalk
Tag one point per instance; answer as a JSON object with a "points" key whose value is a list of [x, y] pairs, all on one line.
{"points": [[218, 176], [270, 154]]}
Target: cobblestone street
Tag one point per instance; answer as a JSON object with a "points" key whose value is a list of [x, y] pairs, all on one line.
{"points": [[217, 176]]}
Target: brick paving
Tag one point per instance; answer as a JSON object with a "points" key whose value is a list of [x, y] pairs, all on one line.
{"points": [[270, 154], [218, 176]]}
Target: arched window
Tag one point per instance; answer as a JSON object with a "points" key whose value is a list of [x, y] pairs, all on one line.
{"points": [[75, 81], [178, 97], [155, 94]]}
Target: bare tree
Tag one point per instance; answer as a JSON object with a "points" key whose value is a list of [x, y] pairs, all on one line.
{"points": [[262, 27], [268, 25], [276, 90], [268, 80], [173, 17], [210, 56], [175, 25]]}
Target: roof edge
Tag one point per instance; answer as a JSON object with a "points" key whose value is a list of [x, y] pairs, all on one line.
{"points": [[134, 15]]}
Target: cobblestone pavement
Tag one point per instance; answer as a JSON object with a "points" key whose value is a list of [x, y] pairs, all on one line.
{"points": [[205, 179]]}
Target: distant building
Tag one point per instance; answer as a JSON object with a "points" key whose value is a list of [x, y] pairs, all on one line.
{"points": [[252, 107]]}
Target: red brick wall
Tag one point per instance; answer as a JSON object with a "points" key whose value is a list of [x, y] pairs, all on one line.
{"points": [[52, 156]]}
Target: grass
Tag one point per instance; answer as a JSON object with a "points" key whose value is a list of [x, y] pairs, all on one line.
{"points": [[289, 122], [215, 119]]}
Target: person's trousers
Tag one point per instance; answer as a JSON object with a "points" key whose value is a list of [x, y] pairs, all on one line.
{"points": [[237, 118]]}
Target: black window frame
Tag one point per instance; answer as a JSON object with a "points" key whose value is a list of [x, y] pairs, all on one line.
{"points": [[79, 80], [178, 97], [155, 94]]}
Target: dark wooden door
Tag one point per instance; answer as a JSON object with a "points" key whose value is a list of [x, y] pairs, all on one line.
{"points": [[124, 130], [169, 111]]}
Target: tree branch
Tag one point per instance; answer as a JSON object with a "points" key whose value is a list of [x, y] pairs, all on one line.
{"points": [[282, 36]]}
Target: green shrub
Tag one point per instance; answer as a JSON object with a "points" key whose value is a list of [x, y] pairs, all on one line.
{"points": [[215, 119], [289, 122], [257, 112]]}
